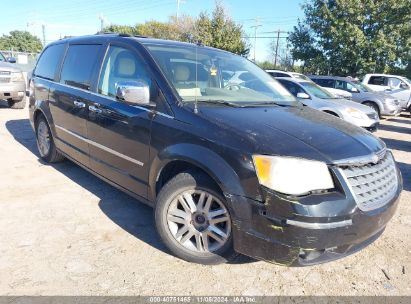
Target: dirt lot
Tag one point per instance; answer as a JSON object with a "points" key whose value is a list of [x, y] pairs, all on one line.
{"points": [[65, 232]]}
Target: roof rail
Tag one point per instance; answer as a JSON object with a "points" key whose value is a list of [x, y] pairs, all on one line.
{"points": [[120, 34]]}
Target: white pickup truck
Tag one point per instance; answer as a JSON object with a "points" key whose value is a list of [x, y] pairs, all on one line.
{"points": [[395, 85]]}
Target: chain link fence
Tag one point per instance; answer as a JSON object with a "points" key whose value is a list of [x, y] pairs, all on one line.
{"points": [[26, 61]]}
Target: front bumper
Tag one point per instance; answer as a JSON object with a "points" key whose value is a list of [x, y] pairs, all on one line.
{"points": [[306, 231], [373, 127], [13, 90], [391, 110]]}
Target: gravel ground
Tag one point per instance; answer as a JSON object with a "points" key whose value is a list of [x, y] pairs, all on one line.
{"points": [[65, 232]]}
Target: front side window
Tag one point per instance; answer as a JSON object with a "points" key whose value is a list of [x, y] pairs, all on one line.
{"points": [[2, 58], [50, 61], [393, 82], [204, 74], [122, 65], [79, 65], [291, 87], [317, 91]]}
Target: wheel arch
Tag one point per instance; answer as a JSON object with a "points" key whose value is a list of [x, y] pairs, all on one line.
{"points": [[180, 157], [376, 102]]}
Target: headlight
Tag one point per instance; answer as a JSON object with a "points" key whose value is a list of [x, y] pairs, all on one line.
{"points": [[356, 113], [292, 175], [390, 101], [17, 76]]}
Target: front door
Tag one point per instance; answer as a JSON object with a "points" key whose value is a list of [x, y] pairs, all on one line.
{"points": [[119, 133]]}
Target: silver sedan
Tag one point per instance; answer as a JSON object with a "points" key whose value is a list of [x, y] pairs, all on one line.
{"points": [[314, 96]]}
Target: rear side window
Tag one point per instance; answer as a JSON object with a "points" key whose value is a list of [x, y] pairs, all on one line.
{"points": [[79, 65], [49, 61], [378, 80], [328, 83], [277, 74]]}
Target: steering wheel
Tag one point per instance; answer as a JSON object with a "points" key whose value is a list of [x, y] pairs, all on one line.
{"points": [[232, 87]]}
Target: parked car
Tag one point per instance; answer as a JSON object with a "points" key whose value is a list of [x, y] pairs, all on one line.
{"points": [[12, 83], [279, 73], [229, 168], [314, 96], [382, 103], [397, 86]]}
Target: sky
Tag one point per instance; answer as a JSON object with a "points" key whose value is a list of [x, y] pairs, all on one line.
{"points": [[78, 17]]}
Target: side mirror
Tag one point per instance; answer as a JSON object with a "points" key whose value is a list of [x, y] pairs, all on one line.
{"points": [[11, 60], [134, 92], [302, 95], [354, 90], [404, 86]]}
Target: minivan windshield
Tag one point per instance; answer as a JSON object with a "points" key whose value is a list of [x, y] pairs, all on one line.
{"points": [[362, 87], [210, 75], [317, 91]]}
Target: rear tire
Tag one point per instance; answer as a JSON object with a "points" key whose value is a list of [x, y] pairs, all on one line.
{"points": [[374, 107], [45, 142], [193, 220], [17, 104]]}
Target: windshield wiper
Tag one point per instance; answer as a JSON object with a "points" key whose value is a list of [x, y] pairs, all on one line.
{"points": [[220, 101], [277, 103]]}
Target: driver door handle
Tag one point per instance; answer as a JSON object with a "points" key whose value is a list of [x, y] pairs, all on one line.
{"points": [[79, 104], [95, 109]]}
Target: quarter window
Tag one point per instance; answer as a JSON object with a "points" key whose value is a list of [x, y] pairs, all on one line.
{"points": [[79, 66], [49, 61]]}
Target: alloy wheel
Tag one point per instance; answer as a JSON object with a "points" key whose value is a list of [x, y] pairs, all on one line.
{"points": [[43, 139], [199, 221]]}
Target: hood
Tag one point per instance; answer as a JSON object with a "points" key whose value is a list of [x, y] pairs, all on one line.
{"points": [[291, 131], [380, 95], [338, 92], [7, 66], [349, 104]]}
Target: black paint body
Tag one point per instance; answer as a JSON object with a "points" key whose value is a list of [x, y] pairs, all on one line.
{"points": [[220, 141]]}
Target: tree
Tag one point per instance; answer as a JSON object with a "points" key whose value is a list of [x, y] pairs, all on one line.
{"points": [[220, 31], [21, 41], [353, 37]]}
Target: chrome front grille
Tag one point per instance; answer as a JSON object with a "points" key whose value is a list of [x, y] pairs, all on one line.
{"points": [[373, 185], [5, 76]]}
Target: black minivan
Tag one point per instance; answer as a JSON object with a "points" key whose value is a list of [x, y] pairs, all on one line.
{"points": [[229, 159]]}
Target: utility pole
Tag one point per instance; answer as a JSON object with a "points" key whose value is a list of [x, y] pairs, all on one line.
{"points": [[276, 49], [43, 29], [101, 17], [277, 43], [257, 25], [178, 8]]}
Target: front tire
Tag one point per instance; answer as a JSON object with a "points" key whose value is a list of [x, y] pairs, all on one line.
{"points": [[374, 107], [17, 104], [45, 142], [193, 220]]}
